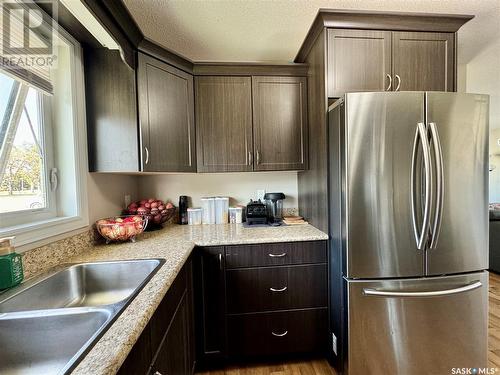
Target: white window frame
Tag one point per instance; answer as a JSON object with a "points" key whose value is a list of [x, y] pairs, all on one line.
{"points": [[35, 233], [31, 215]]}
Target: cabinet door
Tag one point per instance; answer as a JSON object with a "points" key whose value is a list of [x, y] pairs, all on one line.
{"points": [[172, 357], [423, 61], [358, 60], [224, 124], [138, 360], [191, 354], [111, 103], [166, 117], [211, 303], [280, 123]]}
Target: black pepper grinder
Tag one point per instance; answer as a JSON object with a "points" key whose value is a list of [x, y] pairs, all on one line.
{"points": [[183, 206]]}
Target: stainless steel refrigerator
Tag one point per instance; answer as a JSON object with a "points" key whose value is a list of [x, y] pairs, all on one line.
{"points": [[408, 193]]}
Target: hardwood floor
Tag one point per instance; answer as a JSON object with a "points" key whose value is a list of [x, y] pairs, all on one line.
{"points": [[494, 322], [321, 367], [313, 367]]}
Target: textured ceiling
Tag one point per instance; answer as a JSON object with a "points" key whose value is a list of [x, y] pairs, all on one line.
{"points": [[273, 30]]}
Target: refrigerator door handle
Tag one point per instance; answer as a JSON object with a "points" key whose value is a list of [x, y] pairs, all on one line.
{"points": [[438, 157], [422, 236], [433, 293]]}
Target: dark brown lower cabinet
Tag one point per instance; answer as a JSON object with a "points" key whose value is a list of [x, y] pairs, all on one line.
{"points": [[261, 300], [277, 333], [166, 346], [276, 288], [172, 356], [210, 288]]}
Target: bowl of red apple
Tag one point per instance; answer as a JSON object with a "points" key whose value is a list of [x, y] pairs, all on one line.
{"points": [[156, 211], [121, 228]]}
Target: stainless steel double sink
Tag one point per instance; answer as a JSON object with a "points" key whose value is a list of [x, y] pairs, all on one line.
{"points": [[49, 323]]}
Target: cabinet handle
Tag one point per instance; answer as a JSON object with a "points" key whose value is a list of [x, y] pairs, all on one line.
{"points": [[147, 155], [279, 334], [278, 290], [250, 158], [257, 157], [277, 255], [399, 82], [220, 261], [390, 82]]}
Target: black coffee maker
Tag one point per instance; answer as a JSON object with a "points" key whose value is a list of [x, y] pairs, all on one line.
{"points": [[274, 204]]}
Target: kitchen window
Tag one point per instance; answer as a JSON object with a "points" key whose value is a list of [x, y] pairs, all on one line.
{"points": [[43, 162], [26, 158]]}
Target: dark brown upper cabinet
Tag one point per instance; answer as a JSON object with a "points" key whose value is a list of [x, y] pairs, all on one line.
{"points": [[224, 124], [110, 96], [256, 123], [166, 117], [358, 60], [138, 120], [368, 60], [423, 61], [279, 118]]}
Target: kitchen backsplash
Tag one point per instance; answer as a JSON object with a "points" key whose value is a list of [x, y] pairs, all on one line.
{"points": [[41, 259], [240, 187]]}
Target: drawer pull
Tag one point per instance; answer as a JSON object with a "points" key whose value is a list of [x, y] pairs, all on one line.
{"points": [[277, 255], [278, 290], [279, 334]]}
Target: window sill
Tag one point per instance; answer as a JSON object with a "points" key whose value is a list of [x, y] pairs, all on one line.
{"points": [[29, 236]]}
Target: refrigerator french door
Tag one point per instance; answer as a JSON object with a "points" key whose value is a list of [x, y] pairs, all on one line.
{"points": [[418, 326], [409, 231]]}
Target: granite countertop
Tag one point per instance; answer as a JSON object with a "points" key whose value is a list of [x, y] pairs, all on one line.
{"points": [[173, 243]]}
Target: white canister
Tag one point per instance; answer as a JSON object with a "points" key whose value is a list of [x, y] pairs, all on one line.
{"points": [[235, 215], [208, 207], [194, 216], [221, 210]]}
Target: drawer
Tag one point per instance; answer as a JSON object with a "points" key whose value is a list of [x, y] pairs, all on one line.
{"points": [[275, 254], [300, 331], [276, 288]]}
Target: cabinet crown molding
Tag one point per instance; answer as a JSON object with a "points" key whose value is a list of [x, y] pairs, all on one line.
{"points": [[373, 20], [249, 69]]}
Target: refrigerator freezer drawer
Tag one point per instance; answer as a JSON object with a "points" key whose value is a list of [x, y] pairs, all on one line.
{"points": [[417, 326]]}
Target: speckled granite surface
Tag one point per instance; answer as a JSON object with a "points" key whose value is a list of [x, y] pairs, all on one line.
{"points": [[174, 243], [45, 257]]}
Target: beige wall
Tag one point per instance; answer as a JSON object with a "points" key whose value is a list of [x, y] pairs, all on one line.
{"points": [[483, 77], [495, 162], [107, 194], [238, 186]]}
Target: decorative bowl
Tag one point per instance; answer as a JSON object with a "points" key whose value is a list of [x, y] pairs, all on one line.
{"points": [[121, 228], [155, 222], [155, 210]]}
